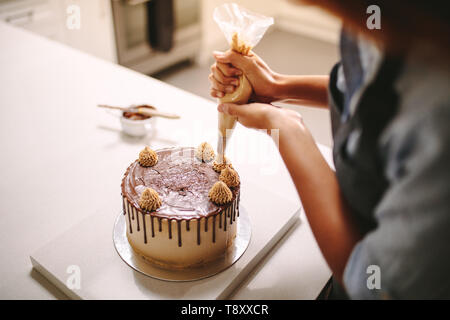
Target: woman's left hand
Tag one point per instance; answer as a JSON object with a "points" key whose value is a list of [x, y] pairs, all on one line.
{"points": [[261, 115]]}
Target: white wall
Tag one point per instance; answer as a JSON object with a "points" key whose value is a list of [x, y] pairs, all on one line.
{"points": [[308, 20]]}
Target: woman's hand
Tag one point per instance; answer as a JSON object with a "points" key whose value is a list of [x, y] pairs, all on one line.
{"points": [[262, 116], [230, 65]]}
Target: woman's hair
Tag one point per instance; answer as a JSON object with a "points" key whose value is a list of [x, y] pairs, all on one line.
{"points": [[403, 22]]}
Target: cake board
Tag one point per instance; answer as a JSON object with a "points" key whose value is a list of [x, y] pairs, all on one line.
{"points": [[84, 264]]}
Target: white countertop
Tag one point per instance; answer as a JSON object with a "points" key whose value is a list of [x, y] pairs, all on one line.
{"points": [[62, 160]]}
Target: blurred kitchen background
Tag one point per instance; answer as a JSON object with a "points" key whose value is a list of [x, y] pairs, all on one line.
{"points": [[173, 40]]}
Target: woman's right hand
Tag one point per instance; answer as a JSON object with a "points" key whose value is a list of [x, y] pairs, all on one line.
{"points": [[230, 65]]}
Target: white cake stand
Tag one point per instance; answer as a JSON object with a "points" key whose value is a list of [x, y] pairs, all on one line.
{"points": [[138, 263]]}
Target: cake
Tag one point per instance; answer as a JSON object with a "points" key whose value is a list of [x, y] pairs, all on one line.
{"points": [[179, 210]]}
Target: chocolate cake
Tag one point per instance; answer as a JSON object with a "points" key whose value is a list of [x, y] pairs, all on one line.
{"points": [[191, 225]]}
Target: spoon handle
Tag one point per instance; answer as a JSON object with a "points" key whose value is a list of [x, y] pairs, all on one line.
{"points": [[157, 113], [112, 107]]}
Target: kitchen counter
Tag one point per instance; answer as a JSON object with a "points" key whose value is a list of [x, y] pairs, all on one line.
{"points": [[62, 160]]}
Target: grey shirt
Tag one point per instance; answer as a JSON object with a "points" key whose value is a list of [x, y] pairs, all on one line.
{"points": [[406, 218]]}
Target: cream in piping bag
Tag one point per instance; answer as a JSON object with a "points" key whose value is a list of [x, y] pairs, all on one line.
{"points": [[243, 29]]}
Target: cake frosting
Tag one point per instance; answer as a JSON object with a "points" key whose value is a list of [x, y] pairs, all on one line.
{"points": [[220, 163], [230, 177], [185, 228], [148, 157], [220, 193], [205, 152], [149, 200]]}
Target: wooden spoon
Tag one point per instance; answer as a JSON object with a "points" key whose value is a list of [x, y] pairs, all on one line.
{"points": [[144, 111]]}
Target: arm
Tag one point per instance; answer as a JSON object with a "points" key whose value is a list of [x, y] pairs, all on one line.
{"points": [[305, 90], [314, 180], [268, 86], [319, 191]]}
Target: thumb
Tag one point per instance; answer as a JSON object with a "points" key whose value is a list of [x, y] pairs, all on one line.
{"points": [[236, 59]]}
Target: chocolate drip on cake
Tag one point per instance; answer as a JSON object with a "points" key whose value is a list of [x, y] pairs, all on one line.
{"points": [[214, 229], [145, 229], [137, 220], [169, 222], [198, 231], [231, 214], [182, 183], [179, 232], [129, 217], [238, 199], [225, 221], [153, 226]]}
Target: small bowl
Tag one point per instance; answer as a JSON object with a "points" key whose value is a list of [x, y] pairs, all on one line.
{"points": [[136, 127]]}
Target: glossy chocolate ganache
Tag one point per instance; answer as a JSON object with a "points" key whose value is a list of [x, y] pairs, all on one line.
{"points": [[182, 182]]}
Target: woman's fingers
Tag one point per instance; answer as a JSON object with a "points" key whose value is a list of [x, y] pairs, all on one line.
{"points": [[252, 115], [237, 60], [228, 70], [249, 115], [219, 86], [216, 94], [222, 78], [220, 82], [237, 110], [242, 111]]}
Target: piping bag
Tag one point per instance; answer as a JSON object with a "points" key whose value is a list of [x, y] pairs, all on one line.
{"points": [[243, 30]]}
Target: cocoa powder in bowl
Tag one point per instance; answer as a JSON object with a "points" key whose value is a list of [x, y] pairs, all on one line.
{"points": [[137, 116]]}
